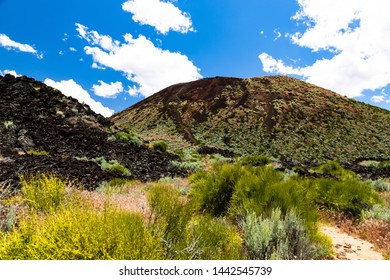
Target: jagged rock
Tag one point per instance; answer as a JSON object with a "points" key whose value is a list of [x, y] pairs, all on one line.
{"points": [[67, 136], [25, 141]]}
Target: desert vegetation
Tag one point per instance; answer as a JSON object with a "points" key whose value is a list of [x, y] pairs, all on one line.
{"points": [[230, 211], [220, 168]]}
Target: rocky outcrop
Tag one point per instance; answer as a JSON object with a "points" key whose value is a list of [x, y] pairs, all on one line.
{"points": [[43, 130]]}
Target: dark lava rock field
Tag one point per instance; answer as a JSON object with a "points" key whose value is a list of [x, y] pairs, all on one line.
{"points": [[42, 130]]}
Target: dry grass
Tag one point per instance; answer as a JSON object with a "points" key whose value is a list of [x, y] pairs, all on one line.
{"points": [[130, 197]]}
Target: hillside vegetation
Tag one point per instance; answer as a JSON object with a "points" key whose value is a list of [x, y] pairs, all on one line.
{"points": [[280, 117], [232, 211], [220, 168]]}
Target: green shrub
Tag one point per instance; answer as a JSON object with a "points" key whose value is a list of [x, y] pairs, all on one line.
{"points": [[113, 187], [7, 208], [160, 146], [335, 170], [209, 238], [212, 191], [8, 125], [218, 159], [127, 137], [81, 233], [190, 166], [384, 164], [278, 237], [119, 182], [120, 169], [378, 212], [76, 230], [37, 153], [43, 192], [169, 216], [255, 160], [349, 196], [262, 190], [379, 185], [252, 188], [113, 166], [185, 236]]}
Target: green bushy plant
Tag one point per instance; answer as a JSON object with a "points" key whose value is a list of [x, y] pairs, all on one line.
{"points": [[378, 212], [81, 233], [43, 192], [335, 170], [384, 164], [209, 238], [263, 189], [217, 158], [37, 153], [113, 166], [76, 230], [190, 166], [379, 185], [278, 237], [255, 160], [191, 160], [127, 137], [212, 191], [349, 196], [120, 169], [7, 208], [169, 216], [113, 186], [8, 125], [160, 146]]}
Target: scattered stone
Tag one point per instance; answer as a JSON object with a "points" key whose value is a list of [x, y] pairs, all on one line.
{"points": [[69, 136]]}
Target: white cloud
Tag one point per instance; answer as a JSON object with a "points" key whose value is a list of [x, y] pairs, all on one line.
{"points": [[378, 98], [71, 88], [97, 66], [277, 34], [162, 15], [354, 33], [11, 72], [9, 44], [72, 49], [271, 65], [140, 60], [94, 38], [108, 90]]}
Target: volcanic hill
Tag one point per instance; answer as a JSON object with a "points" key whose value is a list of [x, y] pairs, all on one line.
{"points": [[277, 116], [42, 130]]}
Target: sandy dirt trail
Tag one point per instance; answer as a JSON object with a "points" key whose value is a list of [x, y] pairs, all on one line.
{"points": [[347, 247]]}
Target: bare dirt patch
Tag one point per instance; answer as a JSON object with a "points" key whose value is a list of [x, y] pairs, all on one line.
{"points": [[347, 247], [377, 232]]}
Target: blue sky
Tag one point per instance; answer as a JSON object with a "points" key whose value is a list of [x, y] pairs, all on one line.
{"points": [[111, 54]]}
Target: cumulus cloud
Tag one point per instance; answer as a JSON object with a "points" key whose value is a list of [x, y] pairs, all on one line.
{"points": [[94, 38], [107, 90], [11, 72], [272, 65], [353, 33], [10, 44], [162, 15], [378, 98], [150, 67], [72, 89]]}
